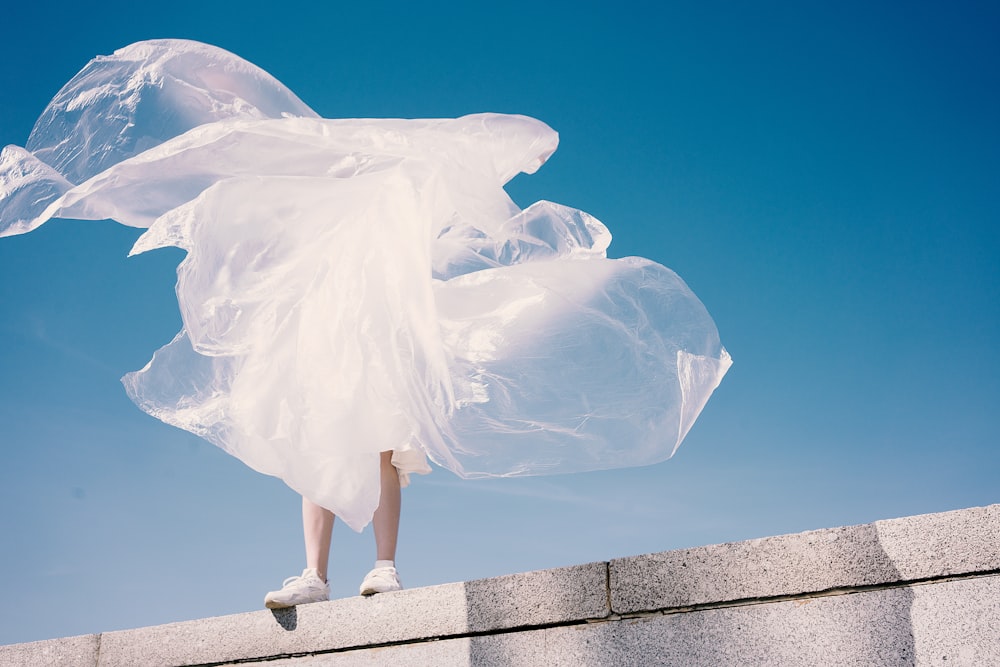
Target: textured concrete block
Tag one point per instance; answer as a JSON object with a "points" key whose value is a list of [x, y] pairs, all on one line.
{"points": [[957, 623], [943, 544], [950, 623], [78, 651], [325, 626], [517, 649], [549, 596], [538, 598], [946, 623], [883, 552]]}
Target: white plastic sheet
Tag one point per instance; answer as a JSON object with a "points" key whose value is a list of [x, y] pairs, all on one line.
{"points": [[358, 286]]}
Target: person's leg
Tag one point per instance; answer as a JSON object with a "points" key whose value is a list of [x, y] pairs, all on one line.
{"points": [[384, 577], [317, 527], [386, 519]]}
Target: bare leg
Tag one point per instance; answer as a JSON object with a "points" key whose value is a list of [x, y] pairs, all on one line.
{"points": [[317, 525], [386, 519]]}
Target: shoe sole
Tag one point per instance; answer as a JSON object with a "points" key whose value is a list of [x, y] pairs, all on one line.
{"points": [[274, 604], [277, 605], [374, 591]]}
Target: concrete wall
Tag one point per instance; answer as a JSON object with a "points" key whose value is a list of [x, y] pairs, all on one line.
{"points": [[922, 590]]}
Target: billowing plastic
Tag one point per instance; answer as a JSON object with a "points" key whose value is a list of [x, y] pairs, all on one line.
{"points": [[358, 286]]}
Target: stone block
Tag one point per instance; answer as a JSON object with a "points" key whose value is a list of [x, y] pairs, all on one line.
{"points": [[80, 651], [883, 552], [947, 623], [516, 649], [538, 598], [338, 624], [531, 598], [943, 544]]}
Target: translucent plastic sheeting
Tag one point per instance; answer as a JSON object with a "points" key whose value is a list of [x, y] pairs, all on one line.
{"points": [[357, 286]]}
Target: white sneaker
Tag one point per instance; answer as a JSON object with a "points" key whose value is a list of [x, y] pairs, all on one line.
{"points": [[381, 580], [299, 590]]}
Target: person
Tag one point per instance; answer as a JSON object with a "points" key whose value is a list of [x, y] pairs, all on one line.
{"points": [[362, 296], [317, 527]]}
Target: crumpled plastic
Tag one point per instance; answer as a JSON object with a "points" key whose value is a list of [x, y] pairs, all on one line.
{"points": [[363, 285]]}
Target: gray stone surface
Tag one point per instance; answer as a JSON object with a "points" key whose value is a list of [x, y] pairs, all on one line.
{"points": [[954, 623], [942, 544], [957, 623], [520, 649], [66, 652], [323, 626], [883, 552], [538, 598], [532, 598], [948, 623]]}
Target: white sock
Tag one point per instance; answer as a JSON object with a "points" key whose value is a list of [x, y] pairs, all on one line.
{"points": [[385, 563]]}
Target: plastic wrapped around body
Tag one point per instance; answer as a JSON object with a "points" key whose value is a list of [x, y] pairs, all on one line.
{"points": [[358, 286]]}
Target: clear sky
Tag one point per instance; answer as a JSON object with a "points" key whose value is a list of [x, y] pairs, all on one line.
{"points": [[824, 175]]}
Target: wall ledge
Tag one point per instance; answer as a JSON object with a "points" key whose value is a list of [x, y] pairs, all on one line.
{"points": [[916, 590]]}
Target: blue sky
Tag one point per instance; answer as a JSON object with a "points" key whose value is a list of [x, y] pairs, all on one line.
{"points": [[825, 176]]}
